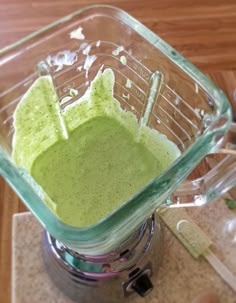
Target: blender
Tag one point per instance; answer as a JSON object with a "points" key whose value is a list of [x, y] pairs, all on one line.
{"points": [[116, 258]]}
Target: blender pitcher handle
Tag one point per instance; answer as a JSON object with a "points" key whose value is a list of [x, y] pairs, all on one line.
{"points": [[220, 179]]}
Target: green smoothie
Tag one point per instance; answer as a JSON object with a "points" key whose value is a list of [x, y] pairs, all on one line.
{"points": [[89, 158]]}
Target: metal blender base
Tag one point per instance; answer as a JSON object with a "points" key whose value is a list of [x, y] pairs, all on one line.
{"points": [[116, 277]]}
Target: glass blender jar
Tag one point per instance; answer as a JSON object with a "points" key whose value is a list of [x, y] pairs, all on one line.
{"points": [[167, 93]]}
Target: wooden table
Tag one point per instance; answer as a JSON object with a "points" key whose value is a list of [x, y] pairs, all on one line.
{"points": [[202, 30]]}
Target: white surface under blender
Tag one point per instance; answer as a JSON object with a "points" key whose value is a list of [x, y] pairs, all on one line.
{"points": [[180, 278]]}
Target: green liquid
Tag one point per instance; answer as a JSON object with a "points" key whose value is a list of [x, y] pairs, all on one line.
{"points": [[90, 158], [93, 172]]}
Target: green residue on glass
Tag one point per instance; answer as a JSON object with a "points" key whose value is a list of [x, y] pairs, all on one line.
{"points": [[231, 204], [38, 123]]}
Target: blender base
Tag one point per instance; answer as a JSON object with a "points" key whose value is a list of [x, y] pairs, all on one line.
{"points": [[179, 279], [123, 274]]}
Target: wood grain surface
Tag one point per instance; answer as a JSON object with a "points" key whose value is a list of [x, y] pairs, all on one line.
{"points": [[202, 30]]}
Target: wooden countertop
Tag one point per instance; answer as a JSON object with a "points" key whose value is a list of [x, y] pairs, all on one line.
{"points": [[204, 31]]}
